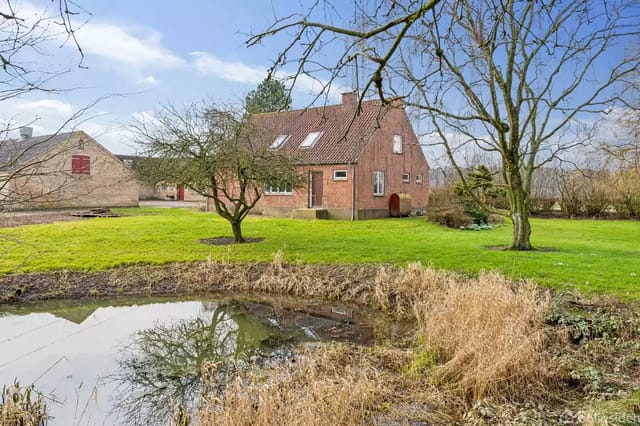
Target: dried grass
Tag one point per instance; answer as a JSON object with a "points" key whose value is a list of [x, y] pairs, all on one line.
{"points": [[487, 335], [328, 386], [18, 408]]}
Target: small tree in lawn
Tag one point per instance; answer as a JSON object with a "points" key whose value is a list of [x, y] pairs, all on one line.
{"points": [[216, 152], [270, 96]]}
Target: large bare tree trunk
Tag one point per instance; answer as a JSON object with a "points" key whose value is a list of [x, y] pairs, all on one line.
{"points": [[519, 200], [521, 239]]}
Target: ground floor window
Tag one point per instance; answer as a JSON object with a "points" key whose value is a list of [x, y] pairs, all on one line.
{"points": [[278, 188], [378, 183], [339, 175]]}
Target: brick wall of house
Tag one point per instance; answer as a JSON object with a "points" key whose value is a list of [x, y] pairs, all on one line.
{"points": [[337, 194], [53, 185], [378, 156]]}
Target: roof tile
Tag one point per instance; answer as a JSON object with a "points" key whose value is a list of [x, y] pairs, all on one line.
{"points": [[344, 133], [28, 149]]}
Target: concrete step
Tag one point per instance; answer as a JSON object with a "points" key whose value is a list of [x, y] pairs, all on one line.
{"points": [[310, 214]]}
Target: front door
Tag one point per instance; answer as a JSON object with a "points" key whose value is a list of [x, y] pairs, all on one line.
{"points": [[180, 193], [316, 190]]}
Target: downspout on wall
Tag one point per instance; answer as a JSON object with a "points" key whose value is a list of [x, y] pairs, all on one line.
{"points": [[353, 192]]}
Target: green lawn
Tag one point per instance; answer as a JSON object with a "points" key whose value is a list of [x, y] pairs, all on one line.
{"points": [[596, 257]]}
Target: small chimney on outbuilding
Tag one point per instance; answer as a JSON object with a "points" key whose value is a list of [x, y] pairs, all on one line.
{"points": [[26, 132], [349, 98]]}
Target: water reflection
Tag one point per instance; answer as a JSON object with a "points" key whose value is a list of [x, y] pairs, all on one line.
{"points": [[160, 369], [127, 361]]}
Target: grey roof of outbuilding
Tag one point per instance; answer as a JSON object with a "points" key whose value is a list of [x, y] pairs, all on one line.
{"points": [[27, 149]]}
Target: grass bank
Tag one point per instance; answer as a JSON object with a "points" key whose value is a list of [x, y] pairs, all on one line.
{"points": [[594, 257]]}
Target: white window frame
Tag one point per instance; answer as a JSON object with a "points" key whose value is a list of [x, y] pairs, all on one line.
{"points": [[339, 178], [286, 189], [311, 139], [279, 141], [397, 144], [406, 178], [378, 184], [419, 179]]}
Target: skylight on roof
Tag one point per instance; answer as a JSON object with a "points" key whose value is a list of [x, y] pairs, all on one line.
{"points": [[279, 141], [310, 140]]}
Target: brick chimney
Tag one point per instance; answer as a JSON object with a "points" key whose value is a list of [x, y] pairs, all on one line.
{"points": [[26, 132], [349, 98]]}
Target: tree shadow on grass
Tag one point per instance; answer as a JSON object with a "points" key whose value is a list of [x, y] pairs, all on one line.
{"points": [[224, 241], [535, 249]]}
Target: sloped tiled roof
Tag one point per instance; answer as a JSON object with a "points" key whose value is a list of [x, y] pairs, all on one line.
{"points": [[26, 149], [344, 134]]}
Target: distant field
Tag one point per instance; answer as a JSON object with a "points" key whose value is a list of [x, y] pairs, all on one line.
{"points": [[594, 257]]}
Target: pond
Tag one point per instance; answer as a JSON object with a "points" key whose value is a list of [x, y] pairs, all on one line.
{"points": [[125, 361]]}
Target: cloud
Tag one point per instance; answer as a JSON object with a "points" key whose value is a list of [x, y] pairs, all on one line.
{"points": [[44, 108], [132, 48], [134, 51], [209, 64], [150, 80], [145, 117], [47, 116], [114, 137], [232, 71]]}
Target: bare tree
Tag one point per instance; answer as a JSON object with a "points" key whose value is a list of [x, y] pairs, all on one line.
{"points": [[585, 192], [570, 186], [216, 152], [544, 192], [23, 37], [163, 365], [512, 78], [624, 157], [26, 40]]}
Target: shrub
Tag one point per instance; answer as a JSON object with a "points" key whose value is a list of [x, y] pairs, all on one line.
{"points": [[595, 197], [496, 219], [442, 198], [570, 186], [479, 216], [627, 203], [541, 205], [454, 208], [452, 217], [446, 209]]}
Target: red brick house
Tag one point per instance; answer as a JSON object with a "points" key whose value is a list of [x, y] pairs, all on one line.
{"points": [[354, 162]]}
